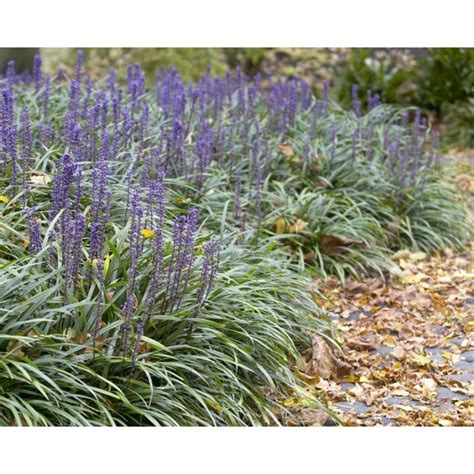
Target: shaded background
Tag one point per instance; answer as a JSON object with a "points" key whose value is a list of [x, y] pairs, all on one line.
{"points": [[440, 81]]}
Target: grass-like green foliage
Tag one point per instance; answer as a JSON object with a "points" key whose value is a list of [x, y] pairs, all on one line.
{"points": [[432, 216], [193, 368], [345, 210], [286, 182]]}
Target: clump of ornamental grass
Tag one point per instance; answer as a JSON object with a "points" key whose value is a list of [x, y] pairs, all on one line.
{"points": [[386, 167], [206, 356], [149, 237], [329, 231], [144, 322], [228, 144], [118, 305]]}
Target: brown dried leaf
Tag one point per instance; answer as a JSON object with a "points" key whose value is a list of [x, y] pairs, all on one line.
{"points": [[333, 244], [312, 417], [286, 150]]}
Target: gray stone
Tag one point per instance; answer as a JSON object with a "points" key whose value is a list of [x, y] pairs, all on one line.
{"points": [[447, 394], [469, 302], [465, 377], [354, 315], [468, 356], [443, 407], [347, 386], [398, 400], [330, 422], [358, 407], [383, 350], [438, 329], [465, 365], [457, 340], [435, 354]]}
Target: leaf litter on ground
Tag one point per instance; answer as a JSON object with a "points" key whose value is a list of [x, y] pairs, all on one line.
{"points": [[408, 344]]}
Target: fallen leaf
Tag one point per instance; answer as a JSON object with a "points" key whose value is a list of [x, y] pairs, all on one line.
{"points": [[412, 278], [429, 384], [401, 254], [334, 244], [42, 179], [312, 417], [398, 352], [421, 359], [286, 150], [298, 226], [417, 256], [324, 363], [280, 226]]}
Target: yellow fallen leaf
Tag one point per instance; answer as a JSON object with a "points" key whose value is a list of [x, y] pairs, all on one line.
{"points": [[280, 226], [298, 226], [148, 233], [417, 256], [447, 356], [411, 279], [309, 379], [403, 263], [421, 359], [380, 375], [390, 341], [363, 379], [289, 402]]}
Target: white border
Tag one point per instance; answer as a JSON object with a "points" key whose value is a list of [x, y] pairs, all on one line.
{"points": [[244, 23], [241, 450], [263, 23]]}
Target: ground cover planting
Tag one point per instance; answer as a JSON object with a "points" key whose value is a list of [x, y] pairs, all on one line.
{"points": [[159, 241]]}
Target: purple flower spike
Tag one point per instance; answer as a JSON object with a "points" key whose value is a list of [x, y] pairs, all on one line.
{"points": [[209, 270], [33, 231], [37, 73]]}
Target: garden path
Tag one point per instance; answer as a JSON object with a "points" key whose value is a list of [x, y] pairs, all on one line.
{"points": [[409, 343]]}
